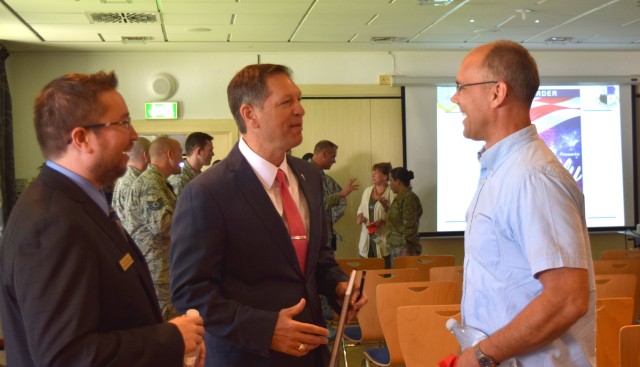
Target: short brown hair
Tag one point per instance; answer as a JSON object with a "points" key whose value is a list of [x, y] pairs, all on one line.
{"points": [[382, 167], [323, 145], [65, 103], [510, 62], [249, 86]]}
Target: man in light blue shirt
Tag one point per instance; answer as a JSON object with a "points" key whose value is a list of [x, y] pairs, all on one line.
{"points": [[528, 276]]}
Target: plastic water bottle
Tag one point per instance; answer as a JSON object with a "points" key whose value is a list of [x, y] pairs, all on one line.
{"points": [[469, 336], [191, 359]]}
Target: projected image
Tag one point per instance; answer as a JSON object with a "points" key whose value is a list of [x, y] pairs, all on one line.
{"points": [[556, 114], [580, 124]]}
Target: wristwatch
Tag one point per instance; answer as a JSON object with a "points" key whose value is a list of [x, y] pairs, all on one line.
{"points": [[483, 359]]}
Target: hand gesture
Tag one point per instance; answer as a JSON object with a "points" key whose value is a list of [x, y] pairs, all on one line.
{"points": [[385, 203], [350, 186], [296, 338]]}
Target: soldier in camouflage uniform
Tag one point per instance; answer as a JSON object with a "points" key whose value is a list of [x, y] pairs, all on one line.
{"points": [[151, 206], [138, 161], [403, 216], [335, 197], [199, 147]]}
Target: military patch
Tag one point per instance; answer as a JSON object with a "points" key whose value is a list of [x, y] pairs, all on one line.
{"points": [[156, 204]]}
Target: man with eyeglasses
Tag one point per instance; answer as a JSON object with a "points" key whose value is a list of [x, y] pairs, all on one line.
{"points": [[75, 290], [528, 269]]}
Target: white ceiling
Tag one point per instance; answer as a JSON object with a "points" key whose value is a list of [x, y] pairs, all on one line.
{"points": [[317, 25]]}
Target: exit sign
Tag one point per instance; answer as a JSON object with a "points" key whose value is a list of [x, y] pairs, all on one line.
{"points": [[161, 110]]}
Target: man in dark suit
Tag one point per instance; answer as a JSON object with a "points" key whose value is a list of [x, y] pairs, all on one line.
{"points": [[232, 256], [75, 290]]}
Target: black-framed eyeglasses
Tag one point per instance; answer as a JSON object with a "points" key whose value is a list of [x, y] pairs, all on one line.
{"points": [[459, 86], [126, 123]]}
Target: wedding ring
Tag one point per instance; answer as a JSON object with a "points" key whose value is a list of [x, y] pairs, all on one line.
{"points": [[302, 347]]}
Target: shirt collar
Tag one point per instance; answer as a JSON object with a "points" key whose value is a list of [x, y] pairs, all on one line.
{"points": [[95, 194], [265, 171], [493, 157]]}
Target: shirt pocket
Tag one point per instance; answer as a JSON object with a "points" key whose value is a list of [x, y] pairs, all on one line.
{"points": [[482, 243]]}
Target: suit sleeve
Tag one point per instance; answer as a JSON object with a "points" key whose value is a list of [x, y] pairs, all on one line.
{"points": [[52, 266]]}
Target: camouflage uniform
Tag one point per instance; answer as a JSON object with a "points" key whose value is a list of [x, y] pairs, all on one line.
{"points": [[334, 205], [121, 193], [151, 210], [403, 219], [179, 181]]}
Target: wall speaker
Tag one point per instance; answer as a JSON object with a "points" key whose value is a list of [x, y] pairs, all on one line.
{"points": [[161, 87]]}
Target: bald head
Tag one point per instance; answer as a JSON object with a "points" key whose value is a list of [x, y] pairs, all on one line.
{"points": [[511, 63], [139, 155], [166, 155]]}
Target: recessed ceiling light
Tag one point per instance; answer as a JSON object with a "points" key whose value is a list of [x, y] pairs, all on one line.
{"points": [[435, 2], [559, 39], [135, 39], [198, 29], [472, 20]]}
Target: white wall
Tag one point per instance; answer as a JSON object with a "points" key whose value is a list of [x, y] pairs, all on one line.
{"points": [[203, 76]]}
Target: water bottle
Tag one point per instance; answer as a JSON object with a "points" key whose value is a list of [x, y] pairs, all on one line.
{"points": [[469, 336], [191, 359]]}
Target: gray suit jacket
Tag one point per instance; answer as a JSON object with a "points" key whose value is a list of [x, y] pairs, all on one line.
{"points": [[232, 259], [65, 299]]}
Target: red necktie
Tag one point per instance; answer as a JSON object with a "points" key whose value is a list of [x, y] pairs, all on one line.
{"points": [[294, 220]]}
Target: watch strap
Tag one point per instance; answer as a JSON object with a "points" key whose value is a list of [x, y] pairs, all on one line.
{"points": [[483, 359]]}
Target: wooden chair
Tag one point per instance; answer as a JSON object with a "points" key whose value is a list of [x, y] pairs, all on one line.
{"points": [[629, 351], [628, 266], [447, 274], [368, 329], [424, 263], [361, 263], [615, 285], [393, 295], [424, 337], [620, 254], [611, 315]]}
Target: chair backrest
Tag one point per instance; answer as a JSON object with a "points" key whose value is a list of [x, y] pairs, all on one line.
{"points": [[393, 295], [424, 263], [447, 274], [424, 337], [368, 314], [360, 264], [611, 315], [629, 351], [615, 285], [620, 254], [627, 266]]}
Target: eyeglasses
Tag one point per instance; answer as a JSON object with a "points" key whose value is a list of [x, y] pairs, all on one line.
{"points": [[126, 123], [459, 86]]}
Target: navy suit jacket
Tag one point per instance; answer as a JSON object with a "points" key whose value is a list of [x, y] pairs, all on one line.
{"points": [[65, 298], [232, 259]]}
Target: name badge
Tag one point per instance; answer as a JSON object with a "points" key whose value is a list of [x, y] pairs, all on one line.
{"points": [[126, 261]]}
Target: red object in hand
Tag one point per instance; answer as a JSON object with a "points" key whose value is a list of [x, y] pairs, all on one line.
{"points": [[372, 228], [449, 361]]}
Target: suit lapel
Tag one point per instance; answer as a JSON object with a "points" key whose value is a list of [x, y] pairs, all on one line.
{"points": [[109, 228], [256, 197]]}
